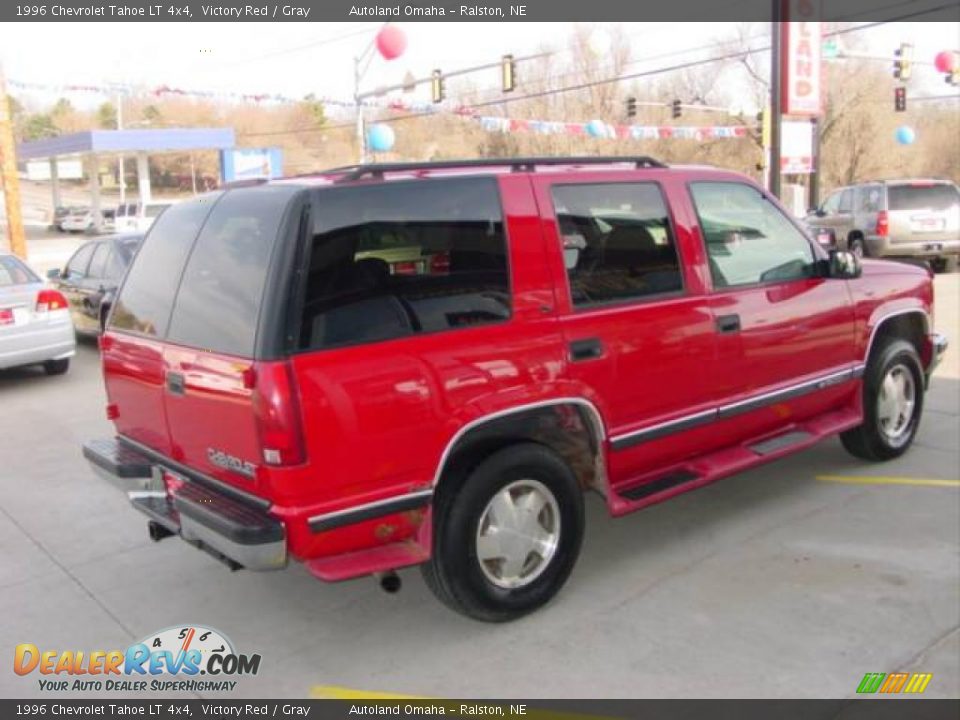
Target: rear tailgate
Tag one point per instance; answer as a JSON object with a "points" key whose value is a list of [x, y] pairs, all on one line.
{"points": [[924, 212], [133, 345], [214, 388]]}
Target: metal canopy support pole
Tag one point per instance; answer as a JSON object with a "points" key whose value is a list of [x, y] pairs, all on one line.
{"points": [[776, 106], [143, 177], [95, 191], [55, 182]]}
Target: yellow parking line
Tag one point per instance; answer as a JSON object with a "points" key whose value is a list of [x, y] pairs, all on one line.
{"points": [[862, 480]]}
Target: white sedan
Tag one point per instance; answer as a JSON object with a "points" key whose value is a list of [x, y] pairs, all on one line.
{"points": [[35, 325]]}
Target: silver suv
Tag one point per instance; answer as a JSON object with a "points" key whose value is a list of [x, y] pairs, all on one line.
{"points": [[894, 218]]}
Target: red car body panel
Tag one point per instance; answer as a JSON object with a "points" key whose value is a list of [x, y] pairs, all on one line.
{"points": [[378, 419]]}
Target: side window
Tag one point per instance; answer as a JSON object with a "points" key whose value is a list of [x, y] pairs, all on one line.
{"points": [[396, 259], [115, 264], [617, 243], [77, 267], [748, 239], [98, 265], [846, 201], [832, 204], [869, 199], [146, 299]]}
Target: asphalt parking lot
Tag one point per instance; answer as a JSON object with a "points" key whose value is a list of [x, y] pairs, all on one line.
{"points": [[773, 583]]}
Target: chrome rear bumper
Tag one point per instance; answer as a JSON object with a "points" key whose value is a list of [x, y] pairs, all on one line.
{"points": [[229, 530]]}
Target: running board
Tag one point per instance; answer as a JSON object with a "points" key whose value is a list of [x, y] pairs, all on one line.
{"points": [[666, 483]]}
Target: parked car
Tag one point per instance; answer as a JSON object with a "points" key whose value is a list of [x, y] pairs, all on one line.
{"points": [[35, 326], [895, 218], [61, 213], [138, 217], [614, 325], [82, 220], [90, 279]]}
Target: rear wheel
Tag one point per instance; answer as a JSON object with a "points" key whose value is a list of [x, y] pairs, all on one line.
{"points": [[56, 367], [508, 538], [892, 404]]}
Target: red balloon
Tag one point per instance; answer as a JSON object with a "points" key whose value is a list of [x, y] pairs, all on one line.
{"points": [[945, 61], [391, 42]]}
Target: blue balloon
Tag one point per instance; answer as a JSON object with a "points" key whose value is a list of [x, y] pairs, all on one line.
{"points": [[380, 138], [597, 128], [906, 135]]}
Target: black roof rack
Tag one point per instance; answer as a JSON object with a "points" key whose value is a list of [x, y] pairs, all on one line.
{"points": [[524, 164]]}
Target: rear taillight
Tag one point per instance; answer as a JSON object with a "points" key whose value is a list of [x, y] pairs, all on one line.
{"points": [[50, 300], [440, 264], [276, 409], [883, 223], [404, 268]]}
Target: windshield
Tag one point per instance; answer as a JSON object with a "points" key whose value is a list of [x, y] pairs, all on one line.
{"points": [[923, 197]]}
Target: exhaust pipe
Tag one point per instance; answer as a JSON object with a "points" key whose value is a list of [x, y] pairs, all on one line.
{"points": [[390, 582], [157, 531]]}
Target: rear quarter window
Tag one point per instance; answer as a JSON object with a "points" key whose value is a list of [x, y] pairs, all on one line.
{"points": [[146, 299], [218, 305], [396, 259]]}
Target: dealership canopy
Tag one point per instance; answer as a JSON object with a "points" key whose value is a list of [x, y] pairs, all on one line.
{"points": [[139, 142]]}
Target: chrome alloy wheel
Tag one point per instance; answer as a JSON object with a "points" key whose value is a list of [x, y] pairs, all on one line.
{"points": [[896, 403], [518, 534]]}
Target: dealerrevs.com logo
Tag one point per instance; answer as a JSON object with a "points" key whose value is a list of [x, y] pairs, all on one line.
{"points": [[173, 659]]}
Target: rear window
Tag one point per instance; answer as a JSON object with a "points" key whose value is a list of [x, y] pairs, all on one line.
{"points": [[219, 299], [147, 296], [397, 259], [14, 272], [923, 197]]}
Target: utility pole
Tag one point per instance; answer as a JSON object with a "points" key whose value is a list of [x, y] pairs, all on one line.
{"points": [[776, 106], [9, 180]]}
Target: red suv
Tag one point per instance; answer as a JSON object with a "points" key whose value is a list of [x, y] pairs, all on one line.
{"points": [[428, 364]]}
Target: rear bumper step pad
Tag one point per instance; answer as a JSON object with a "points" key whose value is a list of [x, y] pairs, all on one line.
{"points": [[242, 535]]}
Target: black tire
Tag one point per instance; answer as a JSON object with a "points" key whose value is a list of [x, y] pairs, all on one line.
{"points": [[454, 572], [857, 246], [869, 441], [56, 367]]}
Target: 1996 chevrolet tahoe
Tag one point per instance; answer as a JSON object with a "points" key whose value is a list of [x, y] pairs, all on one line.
{"points": [[428, 364]]}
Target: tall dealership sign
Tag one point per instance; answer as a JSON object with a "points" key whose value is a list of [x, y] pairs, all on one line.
{"points": [[800, 68]]}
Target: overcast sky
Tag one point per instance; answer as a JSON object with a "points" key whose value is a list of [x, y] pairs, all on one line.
{"points": [[299, 58]]}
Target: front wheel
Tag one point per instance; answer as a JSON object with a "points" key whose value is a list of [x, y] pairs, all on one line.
{"points": [[508, 538], [892, 404]]}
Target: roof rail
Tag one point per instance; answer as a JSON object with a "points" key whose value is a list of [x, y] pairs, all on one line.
{"points": [[523, 164]]}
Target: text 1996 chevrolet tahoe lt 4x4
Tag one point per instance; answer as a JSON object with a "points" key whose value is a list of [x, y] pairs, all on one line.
{"points": [[427, 364]]}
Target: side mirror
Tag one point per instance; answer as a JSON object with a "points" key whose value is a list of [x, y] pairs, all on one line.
{"points": [[844, 265], [53, 274]]}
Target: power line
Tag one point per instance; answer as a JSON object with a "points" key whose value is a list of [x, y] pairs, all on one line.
{"points": [[611, 80]]}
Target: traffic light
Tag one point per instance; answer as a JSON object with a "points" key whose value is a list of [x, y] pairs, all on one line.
{"points": [[631, 107], [900, 99], [437, 91], [953, 77], [676, 110], [903, 61], [508, 69]]}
